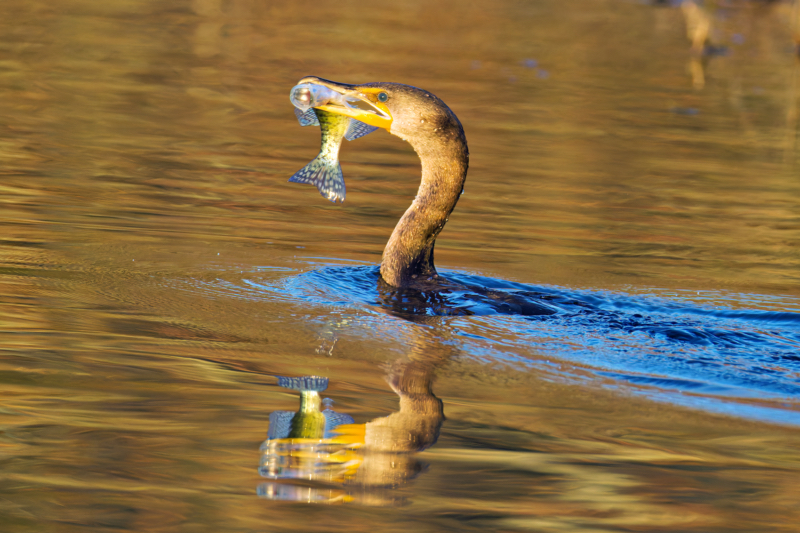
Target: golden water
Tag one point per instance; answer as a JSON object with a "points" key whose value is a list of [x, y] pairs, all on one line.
{"points": [[145, 149]]}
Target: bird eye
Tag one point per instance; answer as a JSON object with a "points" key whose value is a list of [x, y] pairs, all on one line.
{"points": [[383, 97]]}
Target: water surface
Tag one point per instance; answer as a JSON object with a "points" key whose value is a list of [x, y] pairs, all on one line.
{"points": [[158, 275]]}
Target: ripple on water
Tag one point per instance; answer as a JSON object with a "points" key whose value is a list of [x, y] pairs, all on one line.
{"points": [[688, 348]]}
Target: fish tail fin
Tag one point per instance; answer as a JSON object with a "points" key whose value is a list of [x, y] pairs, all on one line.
{"points": [[304, 383], [326, 175]]}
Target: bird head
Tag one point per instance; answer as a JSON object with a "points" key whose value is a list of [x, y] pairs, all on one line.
{"points": [[405, 111]]}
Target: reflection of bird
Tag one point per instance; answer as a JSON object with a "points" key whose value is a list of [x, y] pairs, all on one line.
{"points": [[434, 131], [698, 25], [353, 460]]}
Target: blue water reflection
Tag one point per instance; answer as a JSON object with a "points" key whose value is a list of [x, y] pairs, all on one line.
{"points": [[689, 349]]}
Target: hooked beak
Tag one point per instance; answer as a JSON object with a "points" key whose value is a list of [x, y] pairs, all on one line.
{"points": [[364, 104]]}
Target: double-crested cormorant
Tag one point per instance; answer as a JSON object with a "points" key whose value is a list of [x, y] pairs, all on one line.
{"points": [[435, 133]]}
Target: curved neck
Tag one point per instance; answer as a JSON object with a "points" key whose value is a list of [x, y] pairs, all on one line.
{"points": [[408, 256]]}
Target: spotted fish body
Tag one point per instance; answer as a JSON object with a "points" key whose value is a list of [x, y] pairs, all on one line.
{"points": [[324, 171]]}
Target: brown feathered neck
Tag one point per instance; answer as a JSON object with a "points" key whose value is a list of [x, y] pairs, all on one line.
{"points": [[437, 136]]}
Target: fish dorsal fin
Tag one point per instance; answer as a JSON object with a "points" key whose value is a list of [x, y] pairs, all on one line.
{"points": [[307, 118], [357, 129]]}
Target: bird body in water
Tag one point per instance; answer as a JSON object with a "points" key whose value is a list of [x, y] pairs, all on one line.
{"points": [[435, 133]]}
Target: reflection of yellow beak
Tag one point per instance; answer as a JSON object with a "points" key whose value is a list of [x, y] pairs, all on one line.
{"points": [[372, 112], [350, 434]]}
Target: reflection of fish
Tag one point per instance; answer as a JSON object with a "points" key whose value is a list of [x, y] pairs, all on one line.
{"points": [[324, 171], [308, 422]]}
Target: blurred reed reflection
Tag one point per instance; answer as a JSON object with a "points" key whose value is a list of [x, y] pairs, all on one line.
{"points": [[145, 149], [718, 29], [320, 456]]}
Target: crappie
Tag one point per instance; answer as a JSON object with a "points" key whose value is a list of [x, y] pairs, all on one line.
{"points": [[324, 171]]}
